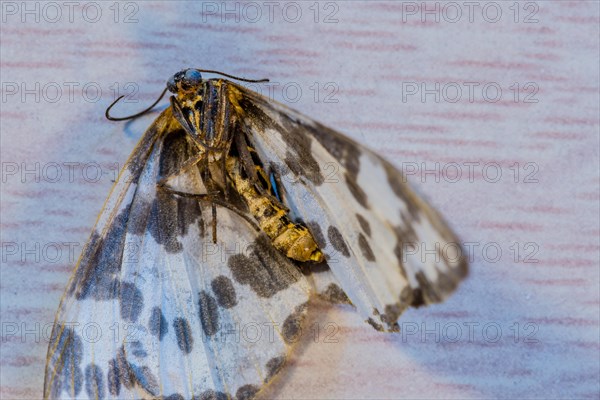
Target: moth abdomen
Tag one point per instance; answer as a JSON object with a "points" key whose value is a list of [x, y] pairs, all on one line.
{"points": [[293, 239]]}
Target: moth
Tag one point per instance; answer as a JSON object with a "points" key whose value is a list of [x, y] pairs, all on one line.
{"points": [[224, 223]]}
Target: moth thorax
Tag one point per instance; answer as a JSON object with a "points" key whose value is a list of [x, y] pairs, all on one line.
{"points": [[190, 101]]}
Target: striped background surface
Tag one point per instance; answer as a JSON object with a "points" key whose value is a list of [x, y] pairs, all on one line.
{"points": [[490, 108]]}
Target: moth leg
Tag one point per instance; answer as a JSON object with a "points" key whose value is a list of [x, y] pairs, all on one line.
{"points": [[210, 198], [245, 157], [214, 221], [189, 129], [208, 182]]}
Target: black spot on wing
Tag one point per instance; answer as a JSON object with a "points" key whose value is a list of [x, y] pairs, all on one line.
{"points": [[170, 218], [98, 271], [65, 362], [211, 395], [417, 299], [299, 158], [246, 392], [428, 290], [364, 224], [312, 268], [94, 385], [400, 256], [138, 159], [365, 248], [359, 195], [119, 373], [122, 369], [337, 241], [274, 365], [450, 271], [308, 168], [317, 233], [406, 240], [436, 291], [209, 313], [131, 301], [377, 326], [144, 378], [266, 270], [335, 294], [172, 215], [137, 224], [125, 373], [399, 186], [176, 150], [342, 148], [224, 291], [292, 326], [183, 333], [157, 324], [393, 311], [113, 378], [391, 315], [174, 396], [137, 349], [72, 380]]}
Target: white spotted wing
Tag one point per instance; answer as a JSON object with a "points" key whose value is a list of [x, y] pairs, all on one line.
{"points": [[385, 247], [155, 309]]}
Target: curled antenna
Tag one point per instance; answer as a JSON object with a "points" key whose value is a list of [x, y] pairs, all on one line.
{"points": [[111, 118], [108, 116]]}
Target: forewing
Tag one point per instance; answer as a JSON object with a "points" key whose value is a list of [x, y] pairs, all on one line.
{"points": [[81, 337], [385, 246], [178, 314]]}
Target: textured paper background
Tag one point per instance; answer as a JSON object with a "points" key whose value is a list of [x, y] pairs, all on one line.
{"points": [[374, 54]]}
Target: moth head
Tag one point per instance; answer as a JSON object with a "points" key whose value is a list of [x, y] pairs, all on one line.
{"points": [[185, 81]]}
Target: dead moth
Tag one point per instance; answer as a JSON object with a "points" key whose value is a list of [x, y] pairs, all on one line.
{"points": [[220, 228]]}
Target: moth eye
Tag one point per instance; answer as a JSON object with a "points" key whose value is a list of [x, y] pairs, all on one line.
{"points": [[171, 85], [192, 78]]}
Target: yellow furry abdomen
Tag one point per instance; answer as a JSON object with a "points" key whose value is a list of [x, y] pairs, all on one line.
{"points": [[293, 239]]}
